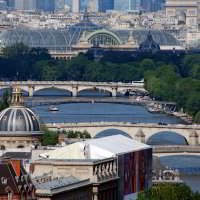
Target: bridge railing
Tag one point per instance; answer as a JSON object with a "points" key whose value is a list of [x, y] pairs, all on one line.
{"points": [[30, 82]]}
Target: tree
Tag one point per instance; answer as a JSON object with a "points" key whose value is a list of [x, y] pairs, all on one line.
{"points": [[15, 50], [197, 118], [6, 100], [49, 138], [193, 103], [188, 62], [196, 72], [168, 192], [76, 134]]}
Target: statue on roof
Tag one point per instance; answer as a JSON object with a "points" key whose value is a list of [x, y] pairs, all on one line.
{"points": [[86, 17], [131, 41]]}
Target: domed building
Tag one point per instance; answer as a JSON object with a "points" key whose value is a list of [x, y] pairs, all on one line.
{"points": [[19, 126], [149, 45], [67, 43]]}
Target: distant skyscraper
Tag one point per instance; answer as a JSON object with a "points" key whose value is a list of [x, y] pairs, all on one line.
{"points": [[93, 5], [68, 3], [146, 5], [127, 5], [157, 5], [45, 5], [104, 5], [3, 5], [76, 6], [59, 4]]}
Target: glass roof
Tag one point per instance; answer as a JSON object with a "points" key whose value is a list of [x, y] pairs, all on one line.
{"points": [[63, 39]]}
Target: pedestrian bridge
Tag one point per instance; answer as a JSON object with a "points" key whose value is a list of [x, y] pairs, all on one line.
{"points": [[140, 132], [74, 86]]}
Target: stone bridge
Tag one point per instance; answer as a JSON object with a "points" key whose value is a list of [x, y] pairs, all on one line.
{"points": [[140, 132], [74, 86]]}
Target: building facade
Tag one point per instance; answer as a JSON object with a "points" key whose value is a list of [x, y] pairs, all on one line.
{"points": [[120, 167], [19, 126], [187, 7]]}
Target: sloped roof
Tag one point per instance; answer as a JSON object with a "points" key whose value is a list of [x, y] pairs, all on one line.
{"points": [[18, 155], [8, 173], [99, 148], [57, 183]]}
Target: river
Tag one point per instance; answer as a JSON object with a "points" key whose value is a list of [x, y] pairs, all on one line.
{"points": [[189, 166]]}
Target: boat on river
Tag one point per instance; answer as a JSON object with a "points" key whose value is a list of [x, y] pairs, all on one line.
{"points": [[53, 108]]}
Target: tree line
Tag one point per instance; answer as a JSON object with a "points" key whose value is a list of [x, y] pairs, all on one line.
{"points": [[169, 192], [168, 76]]}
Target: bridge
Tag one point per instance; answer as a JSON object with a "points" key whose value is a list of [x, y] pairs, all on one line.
{"points": [[176, 150], [140, 132], [74, 86], [42, 101]]}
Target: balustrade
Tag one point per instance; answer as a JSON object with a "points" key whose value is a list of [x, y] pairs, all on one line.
{"points": [[105, 170]]}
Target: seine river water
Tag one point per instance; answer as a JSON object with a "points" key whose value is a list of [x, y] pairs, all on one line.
{"points": [[189, 166]]}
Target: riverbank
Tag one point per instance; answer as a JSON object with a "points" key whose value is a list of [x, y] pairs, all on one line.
{"points": [[162, 108], [186, 118]]}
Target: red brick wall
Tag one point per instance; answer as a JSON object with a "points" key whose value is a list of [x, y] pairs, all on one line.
{"points": [[14, 197]]}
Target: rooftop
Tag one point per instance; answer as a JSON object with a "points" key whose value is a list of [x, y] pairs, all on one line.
{"points": [[100, 148]]}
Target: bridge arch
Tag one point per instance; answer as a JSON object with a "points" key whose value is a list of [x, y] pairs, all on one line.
{"points": [[80, 89], [110, 132], [140, 132], [167, 138], [131, 89], [37, 88]]}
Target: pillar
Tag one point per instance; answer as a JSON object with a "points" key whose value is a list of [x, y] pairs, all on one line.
{"points": [[114, 92], [140, 136], [95, 193], [30, 91], [194, 138], [74, 90]]}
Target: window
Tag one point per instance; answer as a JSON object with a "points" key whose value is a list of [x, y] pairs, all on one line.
{"points": [[4, 180], [20, 117], [9, 195]]}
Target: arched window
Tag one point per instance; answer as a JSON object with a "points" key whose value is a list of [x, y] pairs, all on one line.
{"points": [[103, 39], [2, 147]]}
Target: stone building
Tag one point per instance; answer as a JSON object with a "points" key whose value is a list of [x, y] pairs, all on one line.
{"points": [[189, 8], [116, 167], [19, 126]]}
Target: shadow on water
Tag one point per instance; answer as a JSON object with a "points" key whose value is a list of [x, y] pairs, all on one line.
{"points": [[189, 168], [187, 164], [110, 132], [167, 138]]}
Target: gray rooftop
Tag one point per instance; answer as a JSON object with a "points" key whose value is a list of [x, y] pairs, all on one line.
{"points": [[57, 183]]}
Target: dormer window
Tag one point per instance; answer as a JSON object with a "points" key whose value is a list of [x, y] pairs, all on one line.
{"points": [[33, 117], [4, 180], [4, 118]]}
